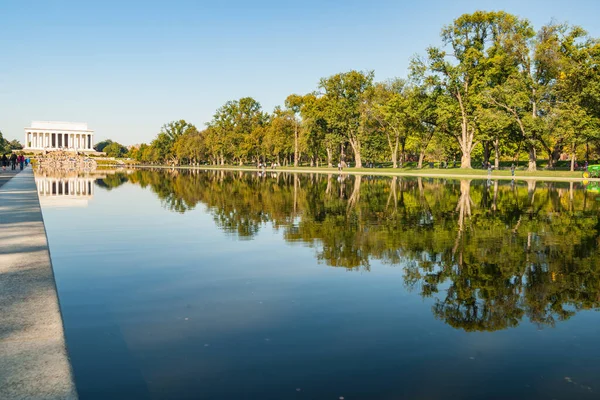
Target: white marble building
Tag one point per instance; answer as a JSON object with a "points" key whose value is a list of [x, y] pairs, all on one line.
{"points": [[56, 135]]}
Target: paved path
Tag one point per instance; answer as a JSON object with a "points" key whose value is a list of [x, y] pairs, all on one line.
{"points": [[33, 359], [6, 176]]}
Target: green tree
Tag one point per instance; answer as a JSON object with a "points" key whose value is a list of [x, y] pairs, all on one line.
{"points": [[115, 149], [387, 105], [15, 145], [101, 145], [470, 40], [345, 94], [294, 104], [235, 132]]}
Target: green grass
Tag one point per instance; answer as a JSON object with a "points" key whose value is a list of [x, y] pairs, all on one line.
{"points": [[411, 170]]}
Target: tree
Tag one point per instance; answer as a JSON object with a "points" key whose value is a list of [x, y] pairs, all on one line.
{"points": [[345, 94], [279, 135], [4, 146], [115, 149], [317, 133], [387, 104], [294, 104], [232, 128], [190, 147], [469, 38], [15, 145], [101, 145]]}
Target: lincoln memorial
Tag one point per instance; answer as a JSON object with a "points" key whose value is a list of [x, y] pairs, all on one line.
{"points": [[55, 135]]}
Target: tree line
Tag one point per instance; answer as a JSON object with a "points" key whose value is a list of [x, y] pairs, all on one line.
{"points": [[7, 146], [494, 89]]}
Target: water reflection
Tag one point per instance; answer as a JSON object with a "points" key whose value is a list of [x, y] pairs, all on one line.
{"points": [[67, 189], [490, 254]]}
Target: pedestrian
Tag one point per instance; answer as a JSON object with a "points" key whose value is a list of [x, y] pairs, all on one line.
{"points": [[512, 169], [27, 161], [4, 162], [339, 166], [489, 168], [21, 161], [13, 161]]}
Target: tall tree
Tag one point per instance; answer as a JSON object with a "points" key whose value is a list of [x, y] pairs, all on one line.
{"points": [[387, 104], [345, 93], [463, 71], [294, 104]]}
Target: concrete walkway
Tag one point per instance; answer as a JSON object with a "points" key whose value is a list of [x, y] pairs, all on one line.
{"points": [[7, 175], [33, 359]]}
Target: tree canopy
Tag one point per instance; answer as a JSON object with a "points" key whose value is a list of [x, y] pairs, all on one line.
{"points": [[493, 88]]}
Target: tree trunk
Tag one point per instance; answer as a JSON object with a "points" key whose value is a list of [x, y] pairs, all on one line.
{"points": [[497, 152], [486, 152], [465, 160], [532, 158], [550, 159], [421, 158], [402, 152], [394, 151], [573, 157], [296, 153], [355, 144], [329, 157], [587, 152], [465, 140], [554, 154]]}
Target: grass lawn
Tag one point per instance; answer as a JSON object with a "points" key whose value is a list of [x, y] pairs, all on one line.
{"points": [[411, 170]]}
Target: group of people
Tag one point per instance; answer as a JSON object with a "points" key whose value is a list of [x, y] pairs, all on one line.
{"points": [[13, 160], [264, 165]]}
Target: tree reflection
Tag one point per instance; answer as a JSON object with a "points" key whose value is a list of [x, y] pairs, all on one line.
{"points": [[489, 254]]}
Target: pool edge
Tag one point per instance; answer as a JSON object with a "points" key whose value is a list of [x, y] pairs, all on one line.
{"points": [[33, 351]]}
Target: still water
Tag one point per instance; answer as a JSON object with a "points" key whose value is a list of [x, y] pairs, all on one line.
{"points": [[230, 285]]}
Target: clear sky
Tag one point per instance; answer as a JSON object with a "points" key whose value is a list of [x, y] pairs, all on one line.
{"points": [[128, 67]]}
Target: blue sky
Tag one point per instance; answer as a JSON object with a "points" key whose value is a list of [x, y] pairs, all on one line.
{"points": [[128, 67]]}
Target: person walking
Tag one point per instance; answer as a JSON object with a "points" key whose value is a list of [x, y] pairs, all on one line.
{"points": [[4, 162], [489, 168], [13, 161], [27, 162], [512, 169], [21, 160]]}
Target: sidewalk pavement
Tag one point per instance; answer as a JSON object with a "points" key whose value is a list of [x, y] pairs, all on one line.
{"points": [[34, 363]]}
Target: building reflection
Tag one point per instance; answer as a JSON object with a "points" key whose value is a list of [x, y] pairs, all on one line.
{"points": [[65, 191]]}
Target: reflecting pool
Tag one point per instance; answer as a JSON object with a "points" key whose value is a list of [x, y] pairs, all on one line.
{"points": [[245, 285]]}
